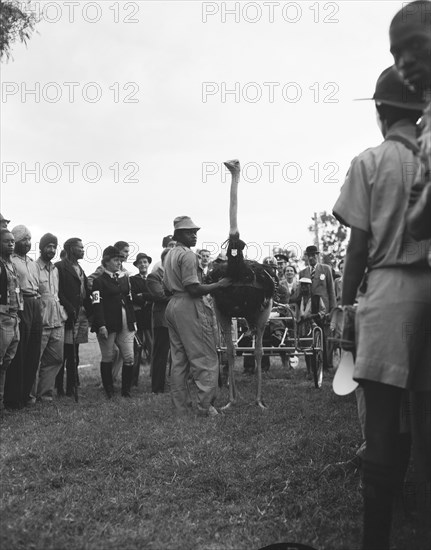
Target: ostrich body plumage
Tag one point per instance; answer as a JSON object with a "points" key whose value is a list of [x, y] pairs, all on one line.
{"points": [[252, 284]]}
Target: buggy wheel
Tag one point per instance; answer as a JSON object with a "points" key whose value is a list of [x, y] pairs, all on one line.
{"points": [[317, 359]]}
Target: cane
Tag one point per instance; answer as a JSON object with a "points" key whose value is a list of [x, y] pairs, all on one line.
{"points": [[75, 368]]}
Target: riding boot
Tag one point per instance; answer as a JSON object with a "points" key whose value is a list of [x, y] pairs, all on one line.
{"points": [[126, 379], [106, 375]]}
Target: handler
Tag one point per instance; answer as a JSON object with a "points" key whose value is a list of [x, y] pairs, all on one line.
{"points": [[191, 323]]}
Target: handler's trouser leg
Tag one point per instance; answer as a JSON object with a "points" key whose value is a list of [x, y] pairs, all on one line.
{"points": [[193, 346]]}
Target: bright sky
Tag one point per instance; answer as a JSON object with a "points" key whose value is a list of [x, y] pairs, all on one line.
{"points": [[118, 115]]}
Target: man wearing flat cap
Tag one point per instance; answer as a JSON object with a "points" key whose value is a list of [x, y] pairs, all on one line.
{"points": [[393, 347], [75, 297], [191, 323], [142, 304], [21, 374], [53, 319]]}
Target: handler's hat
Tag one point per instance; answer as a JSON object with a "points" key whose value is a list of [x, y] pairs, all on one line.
{"points": [[3, 219], [306, 280], [391, 90], [184, 222], [140, 256]]}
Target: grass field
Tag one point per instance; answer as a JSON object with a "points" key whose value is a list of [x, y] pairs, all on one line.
{"points": [[126, 474]]}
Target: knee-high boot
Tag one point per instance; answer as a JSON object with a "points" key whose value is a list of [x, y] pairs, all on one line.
{"points": [[126, 379], [106, 375]]}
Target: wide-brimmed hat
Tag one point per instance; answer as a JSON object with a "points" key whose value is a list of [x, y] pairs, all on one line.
{"points": [[184, 222], [3, 219], [306, 280], [140, 256], [392, 90], [312, 249]]}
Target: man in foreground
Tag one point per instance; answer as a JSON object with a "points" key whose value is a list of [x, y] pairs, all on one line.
{"points": [[393, 347]]}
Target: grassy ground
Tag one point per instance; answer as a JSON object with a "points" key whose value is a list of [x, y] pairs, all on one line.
{"points": [[125, 474]]}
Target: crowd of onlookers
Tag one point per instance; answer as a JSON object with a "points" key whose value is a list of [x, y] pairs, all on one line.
{"points": [[47, 310]]}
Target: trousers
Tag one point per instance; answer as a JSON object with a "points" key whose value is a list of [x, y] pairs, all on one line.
{"points": [[193, 350]]}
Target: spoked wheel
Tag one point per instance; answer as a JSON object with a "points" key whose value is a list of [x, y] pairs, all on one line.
{"points": [[317, 359]]}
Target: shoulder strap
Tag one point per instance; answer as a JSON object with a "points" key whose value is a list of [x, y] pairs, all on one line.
{"points": [[405, 142]]}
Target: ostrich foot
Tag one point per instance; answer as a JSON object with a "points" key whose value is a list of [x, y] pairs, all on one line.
{"points": [[233, 166], [260, 403]]}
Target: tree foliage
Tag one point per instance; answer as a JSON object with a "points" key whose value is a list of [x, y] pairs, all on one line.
{"points": [[16, 23], [332, 236]]}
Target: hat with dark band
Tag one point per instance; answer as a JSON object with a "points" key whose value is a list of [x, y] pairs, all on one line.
{"points": [[140, 256], [391, 90], [312, 249]]}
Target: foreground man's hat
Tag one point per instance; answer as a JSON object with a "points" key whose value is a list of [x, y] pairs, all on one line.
{"points": [[184, 222], [391, 90]]}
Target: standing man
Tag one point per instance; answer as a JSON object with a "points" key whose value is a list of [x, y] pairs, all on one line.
{"points": [[74, 296], [21, 375], [410, 38], [323, 286], [10, 304], [160, 327], [204, 260], [53, 318], [142, 304], [190, 323], [393, 344]]}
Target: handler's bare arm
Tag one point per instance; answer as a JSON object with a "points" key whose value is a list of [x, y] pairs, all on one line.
{"points": [[195, 290], [355, 264]]}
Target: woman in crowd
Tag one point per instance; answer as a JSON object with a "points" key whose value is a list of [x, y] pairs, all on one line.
{"points": [[114, 320]]}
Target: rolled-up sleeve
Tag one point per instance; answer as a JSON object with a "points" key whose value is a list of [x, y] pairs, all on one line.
{"points": [[353, 205], [189, 272]]}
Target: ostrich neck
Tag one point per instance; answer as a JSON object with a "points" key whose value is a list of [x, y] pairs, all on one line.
{"points": [[233, 209]]}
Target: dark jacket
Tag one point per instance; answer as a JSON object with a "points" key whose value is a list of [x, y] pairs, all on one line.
{"points": [[142, 300], [69, 291], [155, 286], [109, 296], [322, 285]]}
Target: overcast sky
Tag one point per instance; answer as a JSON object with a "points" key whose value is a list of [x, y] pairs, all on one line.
{"points": [[118, 115]]}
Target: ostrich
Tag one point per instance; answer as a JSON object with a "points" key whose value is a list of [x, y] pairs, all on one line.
{"points": [[249, 296]]}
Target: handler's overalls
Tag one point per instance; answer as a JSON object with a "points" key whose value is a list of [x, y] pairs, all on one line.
{"points": [[191, 333]]}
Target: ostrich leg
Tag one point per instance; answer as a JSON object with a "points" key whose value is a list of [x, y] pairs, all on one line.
{"points": [[226, 328]]}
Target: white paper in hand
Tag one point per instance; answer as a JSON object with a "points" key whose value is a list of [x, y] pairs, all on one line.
{"points": [[343, 382]]}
